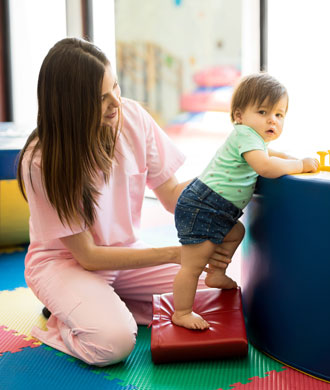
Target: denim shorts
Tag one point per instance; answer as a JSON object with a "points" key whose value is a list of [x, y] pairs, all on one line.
{"points": [[201, 214]]}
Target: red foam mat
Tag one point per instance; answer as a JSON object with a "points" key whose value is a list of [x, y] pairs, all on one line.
{"points": [[225, 338]]}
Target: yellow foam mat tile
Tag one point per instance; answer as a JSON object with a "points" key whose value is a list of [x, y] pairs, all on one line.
{"points": [[21, 311]]}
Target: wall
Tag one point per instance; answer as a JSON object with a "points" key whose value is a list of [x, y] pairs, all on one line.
{"points": [[35, 26], [200, 33]]}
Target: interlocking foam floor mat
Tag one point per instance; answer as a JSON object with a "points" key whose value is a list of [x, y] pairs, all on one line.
{"points": [[27, 364]]}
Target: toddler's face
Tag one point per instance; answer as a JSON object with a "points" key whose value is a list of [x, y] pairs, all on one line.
{"points": [[266, 121]]}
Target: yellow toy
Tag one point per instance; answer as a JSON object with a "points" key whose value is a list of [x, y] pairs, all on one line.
{"points": [[322, 166]]}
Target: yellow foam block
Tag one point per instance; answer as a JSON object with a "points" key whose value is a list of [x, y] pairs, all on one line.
{"points": [[14, 215]]}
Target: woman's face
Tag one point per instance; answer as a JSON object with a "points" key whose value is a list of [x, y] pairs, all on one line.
{"points": [[110, 98]]}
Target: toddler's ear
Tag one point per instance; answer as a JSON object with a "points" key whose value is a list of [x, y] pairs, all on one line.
{"points": [[238, 116]]}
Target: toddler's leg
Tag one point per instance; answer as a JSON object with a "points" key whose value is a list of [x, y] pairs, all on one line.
{"points": [[193, 261], [217, 277], [137, 287]]}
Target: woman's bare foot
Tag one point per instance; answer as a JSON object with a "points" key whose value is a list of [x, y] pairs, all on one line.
{"points": [[190, 321], [219, 279]]}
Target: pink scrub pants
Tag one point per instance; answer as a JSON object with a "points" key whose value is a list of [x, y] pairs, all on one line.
{"points": [[95, 314]]}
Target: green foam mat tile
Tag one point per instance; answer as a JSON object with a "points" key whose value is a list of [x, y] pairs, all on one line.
{"points": [[139, 370]]}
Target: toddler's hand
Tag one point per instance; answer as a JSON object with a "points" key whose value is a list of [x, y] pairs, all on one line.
{"points": [[310, 164]]}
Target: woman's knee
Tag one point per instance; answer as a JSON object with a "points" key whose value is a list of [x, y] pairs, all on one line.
{"points": [[108, 346], [115, 349], [99, 336]]}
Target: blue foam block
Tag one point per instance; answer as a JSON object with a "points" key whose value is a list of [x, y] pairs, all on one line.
{"points": [[12, 139], [286, 270]]}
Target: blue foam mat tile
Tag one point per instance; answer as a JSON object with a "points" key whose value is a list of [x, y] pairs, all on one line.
{"points": [[41, 368]]}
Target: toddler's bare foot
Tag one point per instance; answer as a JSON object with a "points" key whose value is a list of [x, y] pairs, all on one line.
{"points": [[190, 321], [218, 279]]}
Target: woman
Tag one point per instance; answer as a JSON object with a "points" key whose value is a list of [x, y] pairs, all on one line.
{"points": [[84, 171]]}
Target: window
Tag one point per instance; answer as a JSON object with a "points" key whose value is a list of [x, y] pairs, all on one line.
{"points": [[298, 40]]}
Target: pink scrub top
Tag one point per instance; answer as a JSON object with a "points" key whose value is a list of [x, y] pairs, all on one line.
{"points": [[144, 156]]}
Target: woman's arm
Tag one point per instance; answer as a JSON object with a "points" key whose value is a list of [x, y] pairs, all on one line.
{"points": [[93, 257], [169, 192]]}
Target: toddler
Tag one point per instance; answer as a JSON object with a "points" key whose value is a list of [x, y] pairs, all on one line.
{"points": [[208, 209]]}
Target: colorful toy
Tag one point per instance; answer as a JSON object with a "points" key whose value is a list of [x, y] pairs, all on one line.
{"points": [[322, 155], [217, 76], [285, 270], [207, 99]]}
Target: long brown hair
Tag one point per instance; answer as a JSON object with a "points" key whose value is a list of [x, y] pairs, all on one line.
{"points": [[75, 147], [256, 88]]}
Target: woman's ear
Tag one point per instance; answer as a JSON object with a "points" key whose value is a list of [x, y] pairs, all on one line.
{"points": [[238, 116]]}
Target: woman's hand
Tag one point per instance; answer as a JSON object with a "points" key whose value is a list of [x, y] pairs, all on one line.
{"points": [[219, 259]]}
